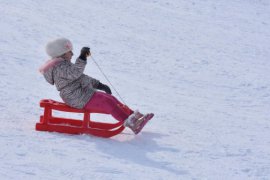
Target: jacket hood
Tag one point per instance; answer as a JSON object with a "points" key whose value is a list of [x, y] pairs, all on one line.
{"points": [[50, 63], [48, 75], [47, 69]]}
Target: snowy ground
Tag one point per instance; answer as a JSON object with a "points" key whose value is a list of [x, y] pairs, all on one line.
{"points": [[201, 66]]}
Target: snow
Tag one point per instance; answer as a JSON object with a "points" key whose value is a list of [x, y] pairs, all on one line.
{"points": [[201, 66]]}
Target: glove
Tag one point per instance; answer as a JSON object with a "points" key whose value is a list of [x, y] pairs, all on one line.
{"points": [[85, 52], [104, 87]]}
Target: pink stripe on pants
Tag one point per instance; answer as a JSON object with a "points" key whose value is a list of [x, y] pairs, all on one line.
{"points": [[109, 104]]}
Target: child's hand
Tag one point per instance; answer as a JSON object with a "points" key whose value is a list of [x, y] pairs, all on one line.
{"points": [[104, 87], [85, 52]]}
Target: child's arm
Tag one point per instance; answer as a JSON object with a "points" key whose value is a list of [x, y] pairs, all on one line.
{"points": [[73, 71]]}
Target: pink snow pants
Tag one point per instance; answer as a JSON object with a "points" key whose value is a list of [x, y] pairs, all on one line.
{"points": [[109, 104]]}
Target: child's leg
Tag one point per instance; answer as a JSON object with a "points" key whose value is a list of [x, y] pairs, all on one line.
{"points": [[125, 108], [107, 103], [121, 105]]}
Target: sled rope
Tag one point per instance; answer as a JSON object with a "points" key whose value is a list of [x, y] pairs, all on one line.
{"points": [[107, 79]]}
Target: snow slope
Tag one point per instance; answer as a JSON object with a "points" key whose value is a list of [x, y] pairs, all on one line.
{"points": [[201, 66]]}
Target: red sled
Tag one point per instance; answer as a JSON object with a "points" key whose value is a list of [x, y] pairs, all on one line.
{"points": [[74, 126]]}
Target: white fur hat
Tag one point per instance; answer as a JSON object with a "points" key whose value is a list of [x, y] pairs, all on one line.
{"points": [[58, 47]]}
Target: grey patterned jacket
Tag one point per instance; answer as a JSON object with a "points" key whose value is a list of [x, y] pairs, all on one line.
{"points": [[76, 88]]}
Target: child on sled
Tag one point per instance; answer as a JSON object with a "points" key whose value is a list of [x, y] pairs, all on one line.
{"points": [[79, 90]]}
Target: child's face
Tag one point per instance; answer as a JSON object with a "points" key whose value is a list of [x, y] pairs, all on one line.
{"points": [[68, 55]]}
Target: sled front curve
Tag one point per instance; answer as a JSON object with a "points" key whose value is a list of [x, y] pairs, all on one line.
{"points": [[74, 126]]}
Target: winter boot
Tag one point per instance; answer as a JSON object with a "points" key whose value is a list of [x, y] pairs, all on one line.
{"points": [[129, 122], [137, 121], [138, 115], [140, 123]]}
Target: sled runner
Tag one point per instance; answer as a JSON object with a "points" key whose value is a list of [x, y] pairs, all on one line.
{"points": [[74, 126]]}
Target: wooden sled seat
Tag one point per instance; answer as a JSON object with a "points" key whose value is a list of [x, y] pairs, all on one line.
{"points": [[74, 126]]}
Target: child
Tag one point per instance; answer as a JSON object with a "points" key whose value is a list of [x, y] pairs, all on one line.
{"points": [[81, 91]]}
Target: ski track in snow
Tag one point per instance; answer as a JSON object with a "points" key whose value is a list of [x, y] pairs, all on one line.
{"points": [[201, 66]]}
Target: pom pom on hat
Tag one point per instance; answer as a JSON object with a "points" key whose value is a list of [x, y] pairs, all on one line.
{"points": [[58, 47]]}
